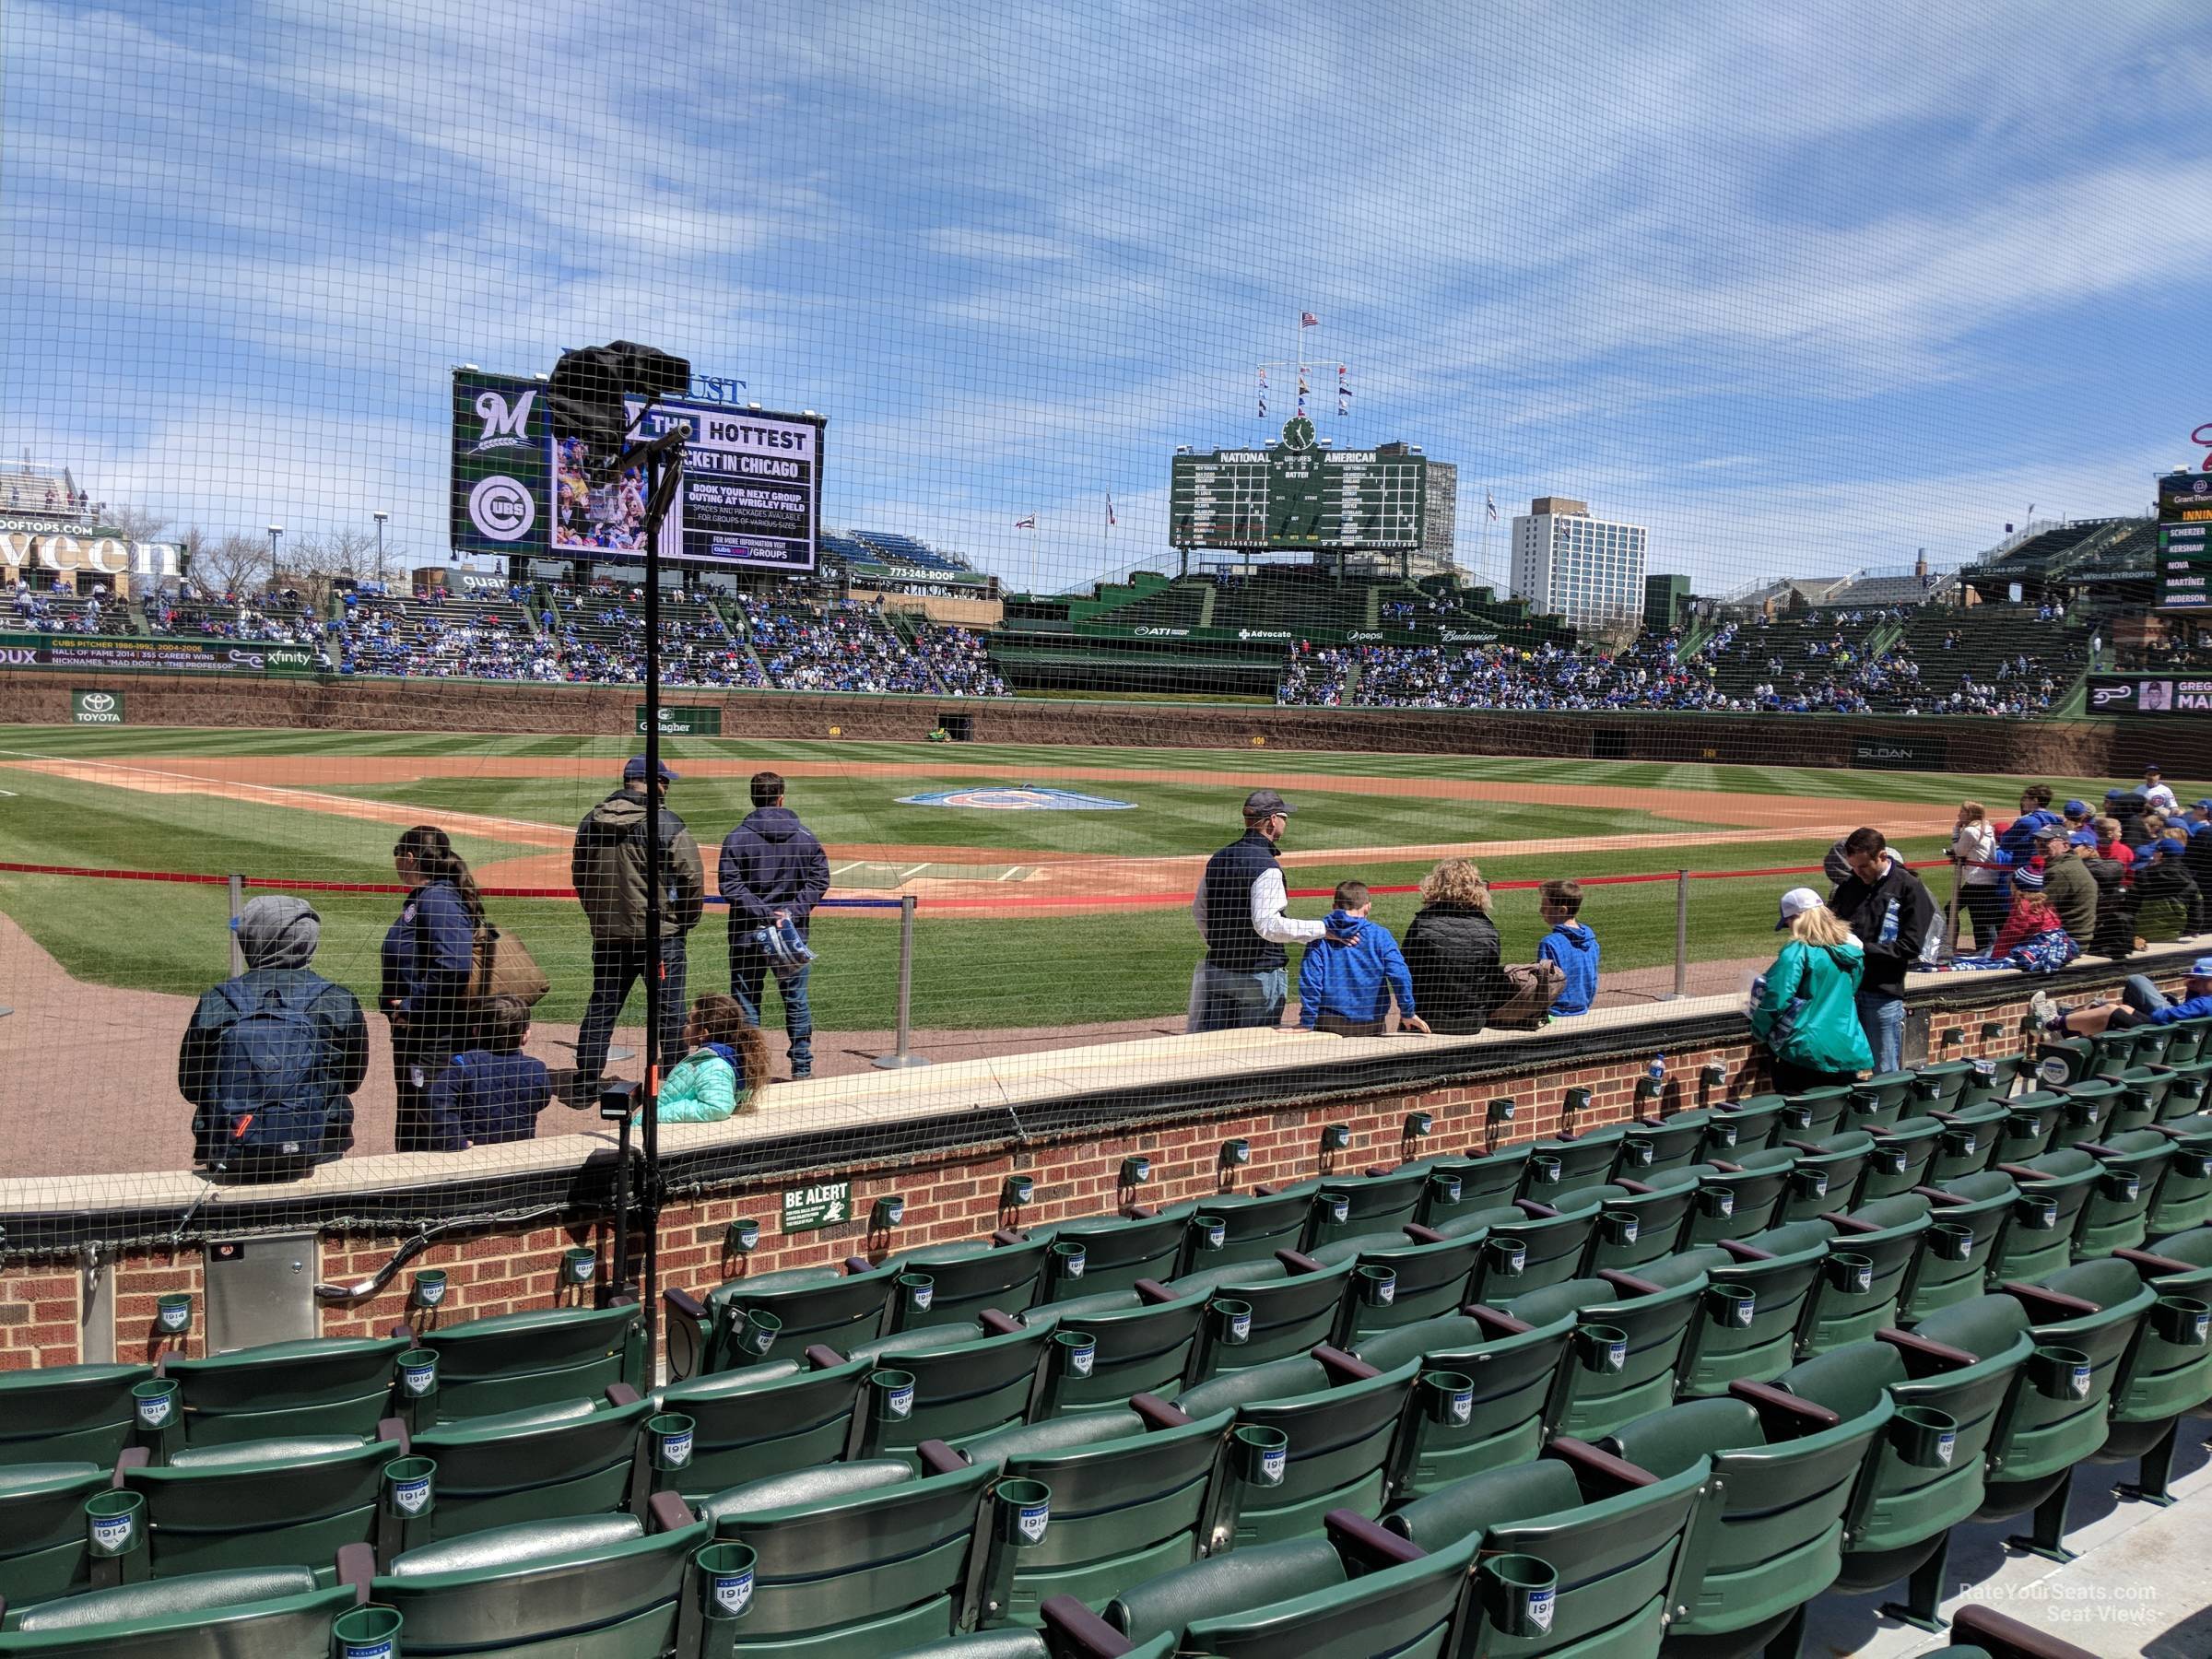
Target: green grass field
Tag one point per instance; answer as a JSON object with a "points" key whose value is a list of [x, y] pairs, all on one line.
{"points": [[969, 972]]}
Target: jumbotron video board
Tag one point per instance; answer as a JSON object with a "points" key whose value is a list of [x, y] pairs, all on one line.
{"points": [[751, 496], [2186, 541], [1295, 496]]}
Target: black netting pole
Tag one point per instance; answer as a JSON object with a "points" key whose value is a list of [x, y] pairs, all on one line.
{"points": [[649, 1194]]}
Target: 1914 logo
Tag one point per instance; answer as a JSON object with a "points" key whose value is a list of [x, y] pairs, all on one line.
{"points": [[500, 508]]}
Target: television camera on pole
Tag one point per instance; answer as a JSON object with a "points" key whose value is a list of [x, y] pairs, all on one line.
{"points": [[587, 400]]}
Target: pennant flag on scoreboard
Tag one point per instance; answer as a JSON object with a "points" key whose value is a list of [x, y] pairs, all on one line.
{"points": [[1489, 505], [1026, 523], [1110, 518], [1262, 406], [1308, 320], [1344, 392]]}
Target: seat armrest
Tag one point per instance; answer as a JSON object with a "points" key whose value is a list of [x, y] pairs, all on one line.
{"points": [[1726, 1168], [2151, 1265], [1936, 1194], [1815, 1147], [1072, 1632], [1935, 1356], [357, 1571], [1535, 1210], [1786, 1412], [131, 1457], [1745, 1252], [684, 1302], [937, 1458], [1423, 1235], [857, 1264], [820, 1356], [998, 1324], [1493, 1322], [1005, 1236], [623, 1298], [1265, 1189], [1850, 1224], [406, 1332], [1649, 1123], [1342, 1368], [621, 1393], [1635, 1186], [1359, 1539], [668, 1512], [161, 1363], [2021, 1173], [395, 1429], [1297, 1263], [2097, 1149], [1376, 1171], [1610, 1475], [1139, 1212], [1158, 1414], [1152, 1292], [2047, 1307], [1628, 1282], [2009, 1638]]}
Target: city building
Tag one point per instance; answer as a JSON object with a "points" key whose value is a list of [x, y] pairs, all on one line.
{"points": [[1567, 564]]}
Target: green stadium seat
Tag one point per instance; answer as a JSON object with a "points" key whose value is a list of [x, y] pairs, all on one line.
{"points": [[2090, 1107], [965, 1380], [2133, 1167], [1986, 1082], [1341, 1418], [1071, 1631], [561, 1457], [63, 1412], [1132, 1496], [261, 1504], [2092, 1312], [1900, 1158], [1347, 1207], [327, 1385], [1145, 1341], [1873, 1258], [1817, 1113], [1115, 1254], [1965, 1363], [1971, 1141], [1569, 1161], [2186, 1041], [1935, 1087], [1253, 1226], [1004, 1272], [513, 1360], [2065, 1060], [1643, 1218], [2184, 1198], [42, 1528], [1739, 1196], [1749, 1314], [2186, 1087], [1969, 1218], [767, 1419], [1652, 1147], [1750, 1124], [1630, 1340], [1531, 1244], [1767, 1536], [251, 1613], [1357, 1593], [1428, 1274], [586, 1587], [1457, 1185], [856, 1557], [1611, 1531], [2166, 1376], [808, 1305], [2046, 1223], [1288, 1305], [2031, 1123], [2142, 1091], [1829, 1173], [1512, 1365]]}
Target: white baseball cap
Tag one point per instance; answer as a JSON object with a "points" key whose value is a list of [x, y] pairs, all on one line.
{"points": [[1795, 903]]}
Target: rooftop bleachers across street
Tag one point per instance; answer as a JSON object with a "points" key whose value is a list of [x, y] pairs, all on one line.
{"points": [[1237, 1437]]}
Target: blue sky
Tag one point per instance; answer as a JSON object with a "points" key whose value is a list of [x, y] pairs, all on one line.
{"points": [[1802, 288]]}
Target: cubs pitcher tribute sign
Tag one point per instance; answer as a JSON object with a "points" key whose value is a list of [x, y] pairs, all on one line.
{"points": [[1297, 495], [751, 494]]}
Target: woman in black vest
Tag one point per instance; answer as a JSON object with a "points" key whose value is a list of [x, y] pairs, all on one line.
{"points": [[1453, 952]]}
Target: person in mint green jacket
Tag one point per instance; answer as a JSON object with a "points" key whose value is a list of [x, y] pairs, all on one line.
{"points": [[727, 1065], [1803, 1008]]}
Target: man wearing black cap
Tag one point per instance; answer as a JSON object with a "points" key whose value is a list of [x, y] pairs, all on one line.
{"points": [[607, 870], [1245, 980]]}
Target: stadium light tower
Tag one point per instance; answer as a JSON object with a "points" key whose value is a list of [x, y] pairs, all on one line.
{"points": [[380, 515], [275, 536]]}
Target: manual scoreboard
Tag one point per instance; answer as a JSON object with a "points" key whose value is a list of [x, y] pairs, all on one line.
{"points": [[1297, 496], [2185, 557]]}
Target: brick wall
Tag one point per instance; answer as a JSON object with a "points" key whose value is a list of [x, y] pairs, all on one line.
{"points": [[949, 1197]]}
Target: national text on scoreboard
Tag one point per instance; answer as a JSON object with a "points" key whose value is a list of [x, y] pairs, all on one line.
{"points": [[1296, 495], [751, 494], [2184, 555]]}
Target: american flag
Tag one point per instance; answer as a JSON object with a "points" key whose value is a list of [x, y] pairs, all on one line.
{"points": [[1308, 320], [1489, 505], [1110, 518], [1026, 523]]}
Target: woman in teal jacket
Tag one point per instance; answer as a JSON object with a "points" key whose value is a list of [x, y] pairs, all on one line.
{"points": [[1803, 1008], [727, 1065]]}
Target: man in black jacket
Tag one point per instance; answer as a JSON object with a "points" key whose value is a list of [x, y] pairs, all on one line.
{"points": [[1891, 913], [773, 871], [2164, 887], [1240, 910]]}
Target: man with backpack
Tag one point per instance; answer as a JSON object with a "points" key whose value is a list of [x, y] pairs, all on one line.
{"points": [[272, 1058]]}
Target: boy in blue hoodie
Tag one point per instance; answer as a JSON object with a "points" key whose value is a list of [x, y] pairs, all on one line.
{"points": [[1571, 944], [1348, 977], [490, 1093]]}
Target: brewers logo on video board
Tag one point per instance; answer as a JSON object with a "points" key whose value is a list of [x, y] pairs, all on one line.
{"points": [[1297, 495], [751, 491]]}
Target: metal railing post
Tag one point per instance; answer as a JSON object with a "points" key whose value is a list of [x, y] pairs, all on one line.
{"points": [[902, 1056], [1681, 936], [1950, 918], [237, 902]]}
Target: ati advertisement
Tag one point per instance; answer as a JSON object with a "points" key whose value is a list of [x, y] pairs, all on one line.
{"points": [[152, 656], [2150, 694]]}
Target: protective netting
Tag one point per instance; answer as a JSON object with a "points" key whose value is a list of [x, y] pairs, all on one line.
{"points": [[1625, 451]]}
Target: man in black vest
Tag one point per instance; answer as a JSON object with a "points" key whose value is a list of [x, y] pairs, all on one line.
{"points": [[1244, 980]]}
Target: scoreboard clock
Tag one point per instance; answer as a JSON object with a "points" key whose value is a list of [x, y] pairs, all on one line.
{"points": [[1298, 495]]}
